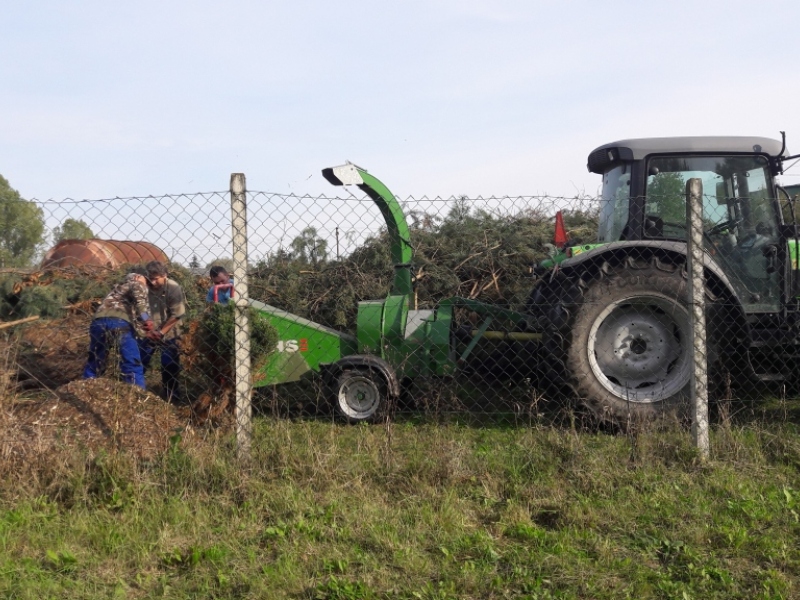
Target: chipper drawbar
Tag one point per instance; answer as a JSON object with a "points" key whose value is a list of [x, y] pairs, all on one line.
{"points": [[394, 341]]}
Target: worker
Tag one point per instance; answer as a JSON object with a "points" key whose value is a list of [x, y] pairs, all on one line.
{"points": [[168, 306], [222, 290], [122, 315]]}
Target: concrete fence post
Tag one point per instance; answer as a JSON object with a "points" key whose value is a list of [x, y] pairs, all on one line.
{"points": [[697, 314], [244, 381]]}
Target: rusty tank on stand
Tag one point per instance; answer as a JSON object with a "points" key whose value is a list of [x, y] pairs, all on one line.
{"points": [[101, 253]]}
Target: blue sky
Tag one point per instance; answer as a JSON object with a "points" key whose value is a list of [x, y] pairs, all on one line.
{"points": [[436, 98]]}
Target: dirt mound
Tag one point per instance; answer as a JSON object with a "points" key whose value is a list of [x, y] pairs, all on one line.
{"points": [[95, 414], [51, 353]]}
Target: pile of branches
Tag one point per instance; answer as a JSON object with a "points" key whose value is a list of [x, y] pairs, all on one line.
{"points": [[210, 349], [55, 292], [478, 255], [214, 341]]}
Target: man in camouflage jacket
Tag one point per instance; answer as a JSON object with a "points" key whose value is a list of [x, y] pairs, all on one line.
{"points": [[122, 314]]}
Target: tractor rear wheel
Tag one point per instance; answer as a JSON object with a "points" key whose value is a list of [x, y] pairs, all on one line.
{"points": [[629, 356]]}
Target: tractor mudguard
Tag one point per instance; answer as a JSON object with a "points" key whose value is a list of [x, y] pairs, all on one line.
{"points": [[658, 247], [662, 248], [368, 361]]}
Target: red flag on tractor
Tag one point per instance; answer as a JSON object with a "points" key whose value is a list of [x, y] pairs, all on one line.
{"points": [[560, 238]]}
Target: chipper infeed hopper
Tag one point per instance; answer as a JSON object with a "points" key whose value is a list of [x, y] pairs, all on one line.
{"points": [[394, 341]]}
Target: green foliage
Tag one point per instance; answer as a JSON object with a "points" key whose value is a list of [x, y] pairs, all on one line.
{"points": [[194, 289], [666, 197], [62, 561], [89, 288], [72, 229], [216, 334], [43, 301], [8, 282], [193, 556], [54, 290], [21, 228], [480, 254], [309, 248]]}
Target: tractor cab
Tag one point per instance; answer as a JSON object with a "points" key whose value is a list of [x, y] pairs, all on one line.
{"points": [[644, 200]]}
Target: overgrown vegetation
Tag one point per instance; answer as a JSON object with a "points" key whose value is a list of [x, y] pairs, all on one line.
{"points": [[215, 340], [50, 292], [22, 234], [414, 511], [72, 229], [473, 254]]}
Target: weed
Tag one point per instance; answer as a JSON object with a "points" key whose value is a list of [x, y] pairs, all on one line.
{"points": [[339, 589], [62, 561], [412, 512], [193, 556]]}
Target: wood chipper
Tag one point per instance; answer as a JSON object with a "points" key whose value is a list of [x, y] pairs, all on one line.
{"points": [[394, 341]]}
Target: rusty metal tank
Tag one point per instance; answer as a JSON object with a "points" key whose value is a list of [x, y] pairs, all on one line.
{"points": [[105, 253]]}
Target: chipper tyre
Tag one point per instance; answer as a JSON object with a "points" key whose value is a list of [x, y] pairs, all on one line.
{"points": [[630, 357], [360, 395]]}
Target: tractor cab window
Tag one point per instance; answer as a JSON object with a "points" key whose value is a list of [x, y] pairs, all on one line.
{"points": [[740, 216], [614, 203], [736, 195]]}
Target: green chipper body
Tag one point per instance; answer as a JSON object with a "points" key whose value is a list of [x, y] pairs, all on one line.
{"points": [[411, 342], [303, 346], [394, 340]]}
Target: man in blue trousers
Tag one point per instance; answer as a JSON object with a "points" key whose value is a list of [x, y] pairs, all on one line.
{"points": [[123, 314]]}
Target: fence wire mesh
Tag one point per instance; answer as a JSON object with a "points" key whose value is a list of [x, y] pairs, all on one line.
{"points": [[467, 315]]}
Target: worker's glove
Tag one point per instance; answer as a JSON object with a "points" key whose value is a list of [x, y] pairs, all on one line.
{"points": [[148, 325], [155, 335]]}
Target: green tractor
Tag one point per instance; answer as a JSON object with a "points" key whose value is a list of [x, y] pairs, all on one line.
{"points": [[614, 316]]}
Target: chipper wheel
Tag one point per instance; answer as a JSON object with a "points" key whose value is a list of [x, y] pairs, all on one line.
{"points": [[360, 394]]}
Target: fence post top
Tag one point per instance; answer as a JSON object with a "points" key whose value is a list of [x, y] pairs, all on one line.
{"points": [[238, 185]]}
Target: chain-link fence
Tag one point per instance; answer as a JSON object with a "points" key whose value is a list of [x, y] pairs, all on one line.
{"points": [[361, 307]]}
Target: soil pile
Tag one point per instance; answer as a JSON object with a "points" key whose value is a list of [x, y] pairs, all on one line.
{"points": [[94, 414], [50, 353]]}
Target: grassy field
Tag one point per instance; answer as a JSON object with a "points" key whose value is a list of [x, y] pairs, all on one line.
{"points": [[414, 510]]}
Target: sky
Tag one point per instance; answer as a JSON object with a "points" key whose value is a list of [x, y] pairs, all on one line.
{"points": [[434, 97]]}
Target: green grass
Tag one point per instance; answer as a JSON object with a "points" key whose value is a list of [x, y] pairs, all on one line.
{"points": [[413, 511]]}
